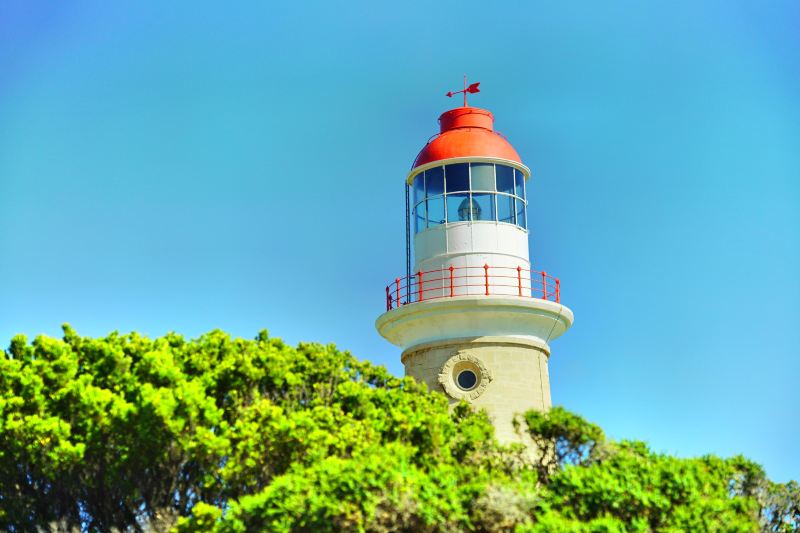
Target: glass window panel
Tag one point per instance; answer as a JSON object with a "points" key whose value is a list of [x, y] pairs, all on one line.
{"points": [[434, 181], [435, 211], [467, 379], [419, 217], [505, 179], [459, 208], [457, 178], [520, 179], [505, 209], [483, 206], [521, 214], [482, 175], [419, 187]]}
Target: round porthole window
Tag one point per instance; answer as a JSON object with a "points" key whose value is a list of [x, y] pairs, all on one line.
{"points": [[464, 376], [467, 380]]}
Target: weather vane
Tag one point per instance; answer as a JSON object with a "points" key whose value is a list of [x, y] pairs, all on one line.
{"points": [[473, 88]]}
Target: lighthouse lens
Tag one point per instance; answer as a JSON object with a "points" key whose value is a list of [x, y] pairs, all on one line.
{"points": [[467, 379], [483, 206], [469, 209], [458, 207]]}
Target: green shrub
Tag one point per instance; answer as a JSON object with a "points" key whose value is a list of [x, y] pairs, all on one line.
{"points": [[131, 434]]}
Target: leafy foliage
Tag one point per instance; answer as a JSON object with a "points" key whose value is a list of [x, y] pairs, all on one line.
{"points": [[562, 438], [131, 434]]}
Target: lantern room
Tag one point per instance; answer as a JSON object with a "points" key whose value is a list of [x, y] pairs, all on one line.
{"points": [[467, 205], [468, 192]]}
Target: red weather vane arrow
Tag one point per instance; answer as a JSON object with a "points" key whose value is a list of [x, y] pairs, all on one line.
{"points": [[473, 88]]}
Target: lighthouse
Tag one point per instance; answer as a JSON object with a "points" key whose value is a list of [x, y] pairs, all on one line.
{"points": [[472, 316]]}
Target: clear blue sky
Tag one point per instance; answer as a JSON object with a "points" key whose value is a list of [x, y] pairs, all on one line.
{"points": [[184, 166]]}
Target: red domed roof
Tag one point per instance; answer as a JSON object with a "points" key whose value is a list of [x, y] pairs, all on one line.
{"points": [[466, 132]]}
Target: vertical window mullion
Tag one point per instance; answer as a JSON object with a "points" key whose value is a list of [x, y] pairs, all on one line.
{"points": [[525, 190], [494, 196], [444, 192], [425, 201], [513, 212], [469, 192], [525, 201]]}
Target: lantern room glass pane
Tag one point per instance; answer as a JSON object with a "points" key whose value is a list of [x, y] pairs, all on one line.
{"points": [[434, 181], [457, 178], [505, 179], [419, 187], [459, 208], [419, 217], [483, 206], [482, 176], [505, 209], [435, 211], [521, 217], [520, 183]]}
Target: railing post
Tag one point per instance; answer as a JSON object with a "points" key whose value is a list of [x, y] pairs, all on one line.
{"points": [[486, 277], [558, 291], [451, 280], [420, 285], [544, 285], [397, 292], [388, 299], [519, 279]]}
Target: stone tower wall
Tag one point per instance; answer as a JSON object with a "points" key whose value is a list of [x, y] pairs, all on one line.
{"points": [[513, 376]]}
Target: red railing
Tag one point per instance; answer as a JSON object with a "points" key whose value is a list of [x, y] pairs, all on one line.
{"points": [[485, 280]]}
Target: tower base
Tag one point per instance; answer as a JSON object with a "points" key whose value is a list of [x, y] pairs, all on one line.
{"points": [[491, 351], [511, 374]]}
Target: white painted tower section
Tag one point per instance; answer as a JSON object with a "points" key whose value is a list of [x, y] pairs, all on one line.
{"points": [[470, 244]]}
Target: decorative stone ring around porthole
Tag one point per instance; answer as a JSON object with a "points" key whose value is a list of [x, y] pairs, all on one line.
{"points": [[464, 376]]}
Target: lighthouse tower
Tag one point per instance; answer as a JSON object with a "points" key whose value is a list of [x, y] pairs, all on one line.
{"points": [[473, 319]]}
